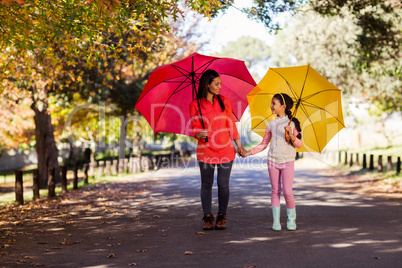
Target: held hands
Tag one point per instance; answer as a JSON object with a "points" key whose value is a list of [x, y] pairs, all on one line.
{"points": [[243, 152]]}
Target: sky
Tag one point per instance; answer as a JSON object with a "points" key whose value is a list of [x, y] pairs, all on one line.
{"points": [[230, 26]]}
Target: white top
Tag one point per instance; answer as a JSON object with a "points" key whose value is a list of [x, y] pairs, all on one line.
{"points": [[280, 151]]}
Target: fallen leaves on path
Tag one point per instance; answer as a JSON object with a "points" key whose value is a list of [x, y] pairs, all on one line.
{"points": [[375, 184], [74, 203], [55, 218]]}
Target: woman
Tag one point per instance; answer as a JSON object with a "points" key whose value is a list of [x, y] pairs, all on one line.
{"points": [[216, 123]]}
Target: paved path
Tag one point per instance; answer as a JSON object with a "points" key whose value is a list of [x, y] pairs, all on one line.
{"points": [[158, 226]]}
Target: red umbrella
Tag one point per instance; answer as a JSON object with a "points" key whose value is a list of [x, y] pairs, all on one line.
{"points": [[165, 99]]}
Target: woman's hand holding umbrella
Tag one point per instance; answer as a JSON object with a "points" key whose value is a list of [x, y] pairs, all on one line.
{"points": [[202, 134]]}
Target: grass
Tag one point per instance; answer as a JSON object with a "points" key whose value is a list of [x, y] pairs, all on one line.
{"points": [[386, 175], [393, 151]]}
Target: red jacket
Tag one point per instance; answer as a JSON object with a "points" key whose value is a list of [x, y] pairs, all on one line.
{"points": [[221, 128]]}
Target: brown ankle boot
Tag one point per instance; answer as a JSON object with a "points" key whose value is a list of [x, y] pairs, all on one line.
{"points": [[220, 221], [208, 222]]}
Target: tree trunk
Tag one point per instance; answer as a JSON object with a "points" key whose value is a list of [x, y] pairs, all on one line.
{"points": [[46, 149]]}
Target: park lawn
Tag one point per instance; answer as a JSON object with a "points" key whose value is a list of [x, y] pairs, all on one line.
{"points": [[393, 151], [375, 182]]}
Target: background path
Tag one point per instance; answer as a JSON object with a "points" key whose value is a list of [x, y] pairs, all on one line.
{"points": [[154, 220]]}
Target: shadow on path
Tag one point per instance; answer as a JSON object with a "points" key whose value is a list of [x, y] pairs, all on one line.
{"points": [[154, 224]]}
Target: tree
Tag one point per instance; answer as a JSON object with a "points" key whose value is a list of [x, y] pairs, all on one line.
{"points": [[380, 23], [253, 51], [267, 11], [16, 123], [40, 37], [119, 76], [312, 39]]}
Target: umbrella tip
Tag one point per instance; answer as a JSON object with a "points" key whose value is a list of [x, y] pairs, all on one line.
{"points": [[156, 134]]}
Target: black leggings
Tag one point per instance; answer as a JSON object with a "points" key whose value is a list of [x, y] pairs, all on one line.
{"points": [[207, 180]]}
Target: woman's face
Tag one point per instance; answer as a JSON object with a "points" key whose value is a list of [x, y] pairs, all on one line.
{"points": [[215, 86], [277, 107]]}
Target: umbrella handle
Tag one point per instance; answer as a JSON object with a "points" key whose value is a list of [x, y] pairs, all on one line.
{"points": [[287, 136], [206, 139], [287, 133]]}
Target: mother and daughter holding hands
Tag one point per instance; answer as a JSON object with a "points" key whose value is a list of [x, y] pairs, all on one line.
{"points": [[212, 118]]}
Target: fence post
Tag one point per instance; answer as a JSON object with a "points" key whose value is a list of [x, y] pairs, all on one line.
{"points": [[126, 166], [51, 185], [101, 168], [380, 168], [130, 165], [346, 158], [35, 187], [19, 189], [145, 163], [389, 163], [364, 161], [64, 179], [357, 160], [75, 180], [351, 160], [92, 169], [121, 166], [86, 167], [114, 168], [371, 162], [398, 165], [136, 165], [108, 165]]}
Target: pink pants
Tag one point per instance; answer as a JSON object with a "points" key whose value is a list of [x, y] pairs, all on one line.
{"points": [[284, 172]]}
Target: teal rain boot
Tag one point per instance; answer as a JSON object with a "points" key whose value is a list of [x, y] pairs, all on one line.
{"points": [[276, 213], [291, 223]]}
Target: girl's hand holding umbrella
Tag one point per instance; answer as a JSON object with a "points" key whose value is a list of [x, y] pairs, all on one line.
{"points": [[288, 134], [202, 135]]}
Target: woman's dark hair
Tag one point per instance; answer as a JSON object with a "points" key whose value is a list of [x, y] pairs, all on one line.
{"points": [[206, 79], [289, 104]]}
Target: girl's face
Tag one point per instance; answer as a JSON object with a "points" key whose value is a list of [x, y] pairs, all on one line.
{"points": [[215, 86], [277, 107]]}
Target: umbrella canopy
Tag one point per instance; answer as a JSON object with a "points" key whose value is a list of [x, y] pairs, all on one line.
{"points": [[317, 104], [165, 99]]}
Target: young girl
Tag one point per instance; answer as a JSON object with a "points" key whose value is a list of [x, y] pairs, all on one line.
{"points": [[281, 157]]}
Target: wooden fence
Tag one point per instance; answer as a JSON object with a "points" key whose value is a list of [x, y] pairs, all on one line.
{"points": [[115, 167], [356, 159]]}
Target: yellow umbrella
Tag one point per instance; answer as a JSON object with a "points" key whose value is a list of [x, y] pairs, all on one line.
{"points": [[317, 104]]}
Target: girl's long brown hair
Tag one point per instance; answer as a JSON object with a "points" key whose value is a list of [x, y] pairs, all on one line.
{"points": [[289, 105]]}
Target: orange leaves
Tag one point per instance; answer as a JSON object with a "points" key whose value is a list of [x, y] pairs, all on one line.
{"points": [[8, 2], [112, 255]]}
